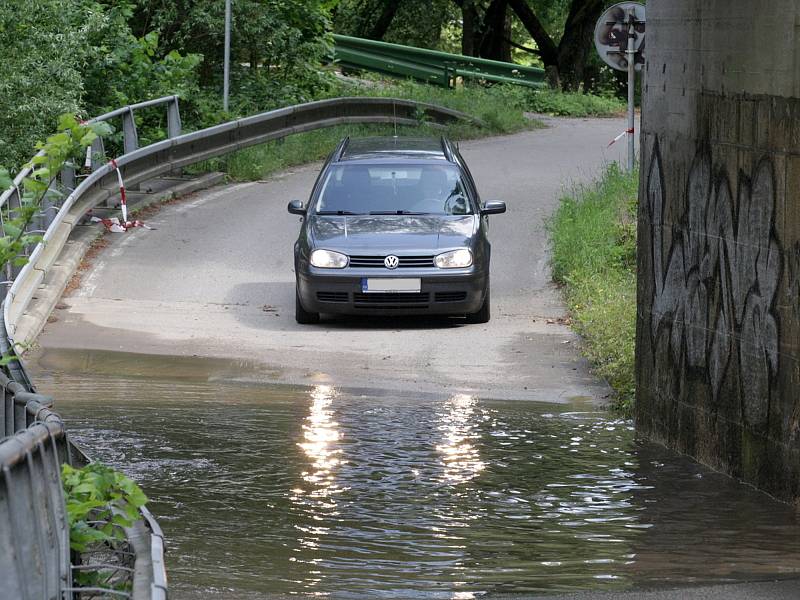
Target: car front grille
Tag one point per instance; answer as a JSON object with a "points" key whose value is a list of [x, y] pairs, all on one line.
{"points": [[332, 296], [450, 296], [406, 262], [391, 300]]}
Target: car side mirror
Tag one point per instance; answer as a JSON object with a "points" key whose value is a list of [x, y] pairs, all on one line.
{"points": [[296, 208], [493, 208]]}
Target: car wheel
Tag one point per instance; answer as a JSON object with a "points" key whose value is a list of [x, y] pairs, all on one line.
{"points": [[485, 312], [301, 315]]}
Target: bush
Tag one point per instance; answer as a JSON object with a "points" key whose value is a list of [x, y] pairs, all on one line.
{"points": [[593, 235], [569, 104]]}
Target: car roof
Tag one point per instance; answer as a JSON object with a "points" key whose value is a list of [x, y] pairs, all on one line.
{"points": [[381, 148]]}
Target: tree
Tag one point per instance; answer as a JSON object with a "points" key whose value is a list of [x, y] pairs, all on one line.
{"points": [[486, 29], [410, 22], [566, 61], [283, 41], [39, 73]]}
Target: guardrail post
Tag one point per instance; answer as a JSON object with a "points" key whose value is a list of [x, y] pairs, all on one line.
{"points": [[130, 138], [174, 125], [7, 414], [97, 154], [173, 118], [68, 177]]}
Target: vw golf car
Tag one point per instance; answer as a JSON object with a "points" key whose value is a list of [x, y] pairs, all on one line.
{"points": [[393, 226]]}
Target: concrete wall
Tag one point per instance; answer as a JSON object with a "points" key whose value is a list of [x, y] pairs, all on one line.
{"points": [[718, 332]]}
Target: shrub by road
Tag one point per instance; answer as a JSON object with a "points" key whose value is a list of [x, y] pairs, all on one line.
{"points": [[593, 235]]}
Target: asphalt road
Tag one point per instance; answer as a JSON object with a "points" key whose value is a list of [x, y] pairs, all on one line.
{"points": [[215, 279]]}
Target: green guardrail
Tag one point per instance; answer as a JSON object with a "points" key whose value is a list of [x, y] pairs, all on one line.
{"points": [[431, 66]]}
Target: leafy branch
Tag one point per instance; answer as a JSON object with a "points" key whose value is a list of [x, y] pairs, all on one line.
{"points": [[56, 151], [100, 503]]}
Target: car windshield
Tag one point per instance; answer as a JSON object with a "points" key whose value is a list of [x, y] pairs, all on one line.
{"points": [[394, 189]]}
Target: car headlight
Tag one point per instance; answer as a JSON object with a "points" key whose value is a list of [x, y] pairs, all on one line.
{"points": [[455, 259], [327, 259]]}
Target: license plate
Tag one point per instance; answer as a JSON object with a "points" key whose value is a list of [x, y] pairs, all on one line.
{"points": [[386, 286]]}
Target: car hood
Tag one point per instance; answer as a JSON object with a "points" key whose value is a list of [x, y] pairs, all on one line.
{"points": [[393, 232]]}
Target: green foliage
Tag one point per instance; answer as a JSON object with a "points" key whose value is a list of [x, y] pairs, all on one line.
{"points": [[121, 68], [417, 22], [593, 236], [39, 73], [100, 502], [276, 48], [70, 142], [572, 104]]}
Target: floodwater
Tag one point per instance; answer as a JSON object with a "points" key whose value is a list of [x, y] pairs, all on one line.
{"points": [[264, 490]]}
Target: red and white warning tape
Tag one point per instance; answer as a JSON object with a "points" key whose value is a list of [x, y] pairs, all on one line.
{"points": [[123, 200], [620, 136], [113, 224]]}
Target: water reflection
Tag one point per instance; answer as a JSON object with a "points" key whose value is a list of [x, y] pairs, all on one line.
{"points": [[459, 428], [320, 434], [317, 500]]}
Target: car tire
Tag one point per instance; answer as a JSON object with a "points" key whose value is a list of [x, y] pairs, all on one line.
{"points": [[485, 312], [301, 315]]}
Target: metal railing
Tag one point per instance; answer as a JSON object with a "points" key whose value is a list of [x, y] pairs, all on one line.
{"points": [[31, 499], [35, 557], [34, 535], [430, 66]]}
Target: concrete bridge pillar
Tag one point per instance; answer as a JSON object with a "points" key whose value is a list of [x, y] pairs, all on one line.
{"points": [[718, 331]]}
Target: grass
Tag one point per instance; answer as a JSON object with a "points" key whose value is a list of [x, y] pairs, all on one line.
{"points": [[501, 107], [593, 236]]}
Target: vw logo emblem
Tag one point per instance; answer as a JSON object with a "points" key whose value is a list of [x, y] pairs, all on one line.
{"points": [[391, 262]]}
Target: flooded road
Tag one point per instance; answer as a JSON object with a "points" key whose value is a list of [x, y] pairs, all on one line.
{"points": [[266, 490]]}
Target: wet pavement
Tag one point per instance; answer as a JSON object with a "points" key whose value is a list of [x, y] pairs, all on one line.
{"points": [[269, 490]]}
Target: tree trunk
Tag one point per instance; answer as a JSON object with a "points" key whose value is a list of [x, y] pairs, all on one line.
{"points": [[576, 43], [381, 26], [494, 32], [469, 16]]}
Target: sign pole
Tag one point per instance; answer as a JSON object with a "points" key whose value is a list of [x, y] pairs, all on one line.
{"points": [[226, 63], [630, 54]]}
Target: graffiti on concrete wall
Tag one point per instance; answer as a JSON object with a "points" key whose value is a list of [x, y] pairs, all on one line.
{"points": [[716, 270]]}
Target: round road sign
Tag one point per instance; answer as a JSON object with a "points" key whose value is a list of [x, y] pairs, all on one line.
{"points": [[611, 35]]}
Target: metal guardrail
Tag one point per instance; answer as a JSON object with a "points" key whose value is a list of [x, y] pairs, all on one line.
{"points": [[33, 456], [430, 66]]}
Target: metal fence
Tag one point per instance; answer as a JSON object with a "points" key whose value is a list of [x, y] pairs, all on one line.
{"points": [[34, 536], [34, 541]]}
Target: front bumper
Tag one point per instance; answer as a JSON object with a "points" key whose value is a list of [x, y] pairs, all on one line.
{"points": [[442, 292]]}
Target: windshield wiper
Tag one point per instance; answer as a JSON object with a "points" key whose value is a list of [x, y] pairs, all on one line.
{"points": [[397, 212], [337, 212]]}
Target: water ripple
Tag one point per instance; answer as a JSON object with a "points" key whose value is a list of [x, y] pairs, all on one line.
{"points": [[270, 490]]}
